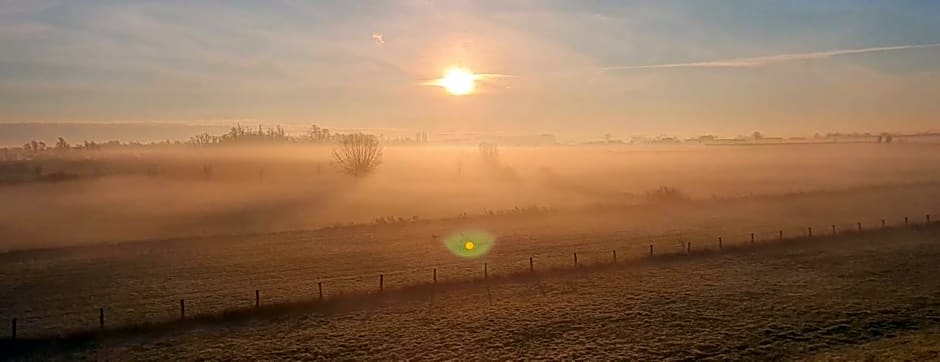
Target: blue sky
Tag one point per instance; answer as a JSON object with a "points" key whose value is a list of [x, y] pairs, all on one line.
{"points": [[572, 67]]}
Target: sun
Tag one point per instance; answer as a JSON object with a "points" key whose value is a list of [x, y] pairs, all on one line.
{"points": [[458, 81]]}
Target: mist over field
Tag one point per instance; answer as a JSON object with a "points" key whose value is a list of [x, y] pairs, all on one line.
{"points": [[132, 228], [165, 192], [469, 180]]}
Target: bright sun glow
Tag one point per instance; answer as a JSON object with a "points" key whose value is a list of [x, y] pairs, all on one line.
{"points": [[458, 81]]}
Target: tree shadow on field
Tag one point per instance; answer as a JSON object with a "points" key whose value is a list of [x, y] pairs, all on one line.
{"points": [[263, 215]]}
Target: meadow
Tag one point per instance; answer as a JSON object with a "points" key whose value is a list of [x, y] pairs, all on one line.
{"points": [[857, 296], [135, 243]]}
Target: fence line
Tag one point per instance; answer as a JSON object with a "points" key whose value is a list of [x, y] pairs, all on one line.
{"points": [[837, 230]]}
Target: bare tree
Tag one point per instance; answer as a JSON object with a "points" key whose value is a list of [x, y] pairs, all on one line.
{"points": [[62, 145], [358, 154], [489, 152]]}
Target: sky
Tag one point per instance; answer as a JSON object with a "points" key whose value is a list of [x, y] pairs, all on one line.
{"points": [[570, 68]]}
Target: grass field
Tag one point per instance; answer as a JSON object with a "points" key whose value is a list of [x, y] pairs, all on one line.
{"points": [[56, 290], [850, 297], [216, 258]]}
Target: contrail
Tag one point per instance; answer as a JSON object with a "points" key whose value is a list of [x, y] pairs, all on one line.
{"points": [[771, 59]]}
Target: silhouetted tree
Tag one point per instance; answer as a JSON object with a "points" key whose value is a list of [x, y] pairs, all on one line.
{"points": [[666, 194], [35, 146], [61, 144], [203, 139], [358, 154], [489, 152]]}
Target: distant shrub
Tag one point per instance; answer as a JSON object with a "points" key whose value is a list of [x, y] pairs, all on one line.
{"points": [[665, 195], [391, 220], [516, 210], [60, 176], [358, 154], [15, 171], [489, 153]]}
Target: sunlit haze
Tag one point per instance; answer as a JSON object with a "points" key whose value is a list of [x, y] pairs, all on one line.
{"points": [[469, 180], [577, 69]]}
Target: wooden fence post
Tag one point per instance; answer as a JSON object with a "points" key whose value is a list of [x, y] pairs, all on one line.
{"points": [[381, 282], [781, 235], [435, 276], [182, 309], [100, 318], [859, 227], [575, 260], [882, 223], [905, 220], [531, 266], [809, 231], [615, 256], [752, 238], [833, 229], [719, 243], [688, 247], [320, 288], [257, 298], [486, 271], [651, 249]]}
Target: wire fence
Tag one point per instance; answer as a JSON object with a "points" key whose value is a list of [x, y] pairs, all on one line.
{"points": [[217, 296]]}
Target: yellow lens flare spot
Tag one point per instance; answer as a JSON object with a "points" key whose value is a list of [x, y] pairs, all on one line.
{"points": [[469, 244]]}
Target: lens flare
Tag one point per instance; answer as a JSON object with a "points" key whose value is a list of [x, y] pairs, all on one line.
{"points": [[469, 244]]}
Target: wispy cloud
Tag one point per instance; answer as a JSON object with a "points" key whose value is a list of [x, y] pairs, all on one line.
{"points": [[772, 59]]}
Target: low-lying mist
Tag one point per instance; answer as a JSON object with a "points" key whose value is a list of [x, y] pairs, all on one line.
{"points": [[167, 192]]}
